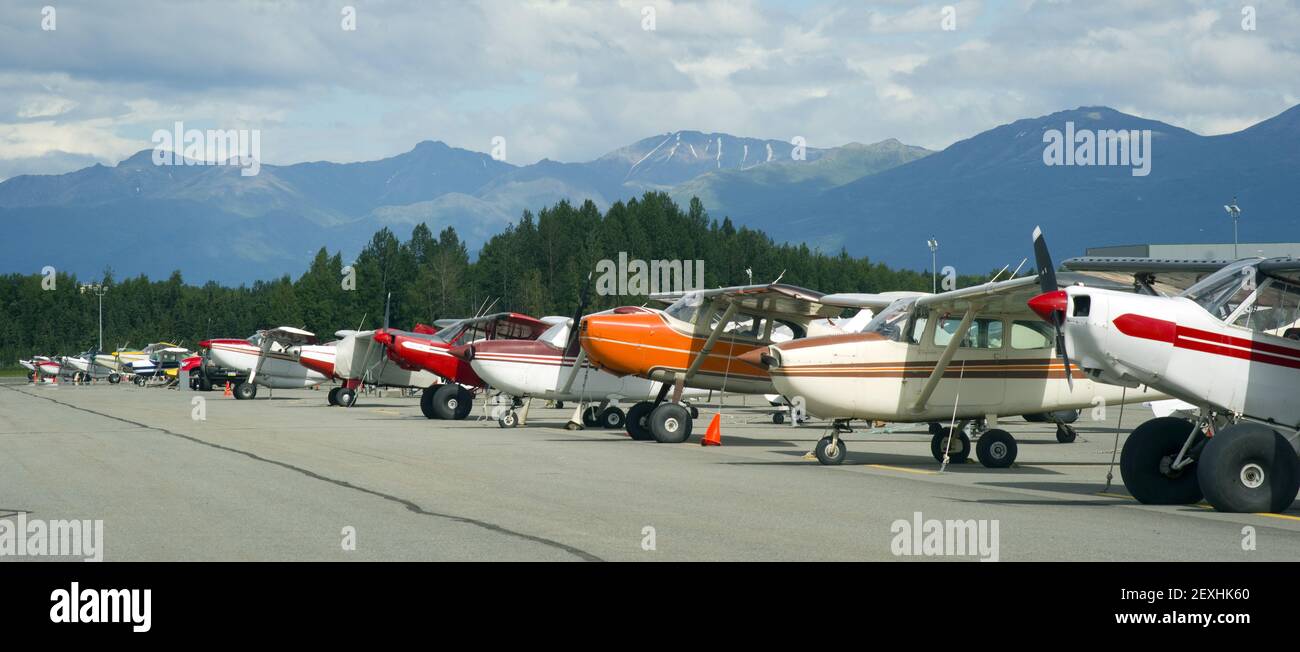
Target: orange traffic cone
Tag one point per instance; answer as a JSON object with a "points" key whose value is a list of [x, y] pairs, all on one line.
{"points": [[713, 436], [227, 392]]}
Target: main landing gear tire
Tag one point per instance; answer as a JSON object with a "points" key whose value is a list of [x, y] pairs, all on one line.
{"points": [[935, 429], [996, 449], [778, 418], [346, 397], [1065, 434], [638, 421], [958, 451], [1145, 463], [114, 379], [333, 396], [1248, 467], [508, 420], [426, 401], [670, 423], [452, 401], [612, 418], [830, 452], [245, 391], [591, 417]]}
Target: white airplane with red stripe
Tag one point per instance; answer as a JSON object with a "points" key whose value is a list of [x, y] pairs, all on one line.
{"points": [[274, 358], [1226, 344]]}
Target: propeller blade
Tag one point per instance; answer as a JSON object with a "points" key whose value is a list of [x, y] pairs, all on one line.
{"points": [[1043, 259], [387, 302]]}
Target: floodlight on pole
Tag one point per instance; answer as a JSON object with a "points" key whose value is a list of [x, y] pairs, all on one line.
{"points": [[934, 265], [1234, 211], [99, 290]]}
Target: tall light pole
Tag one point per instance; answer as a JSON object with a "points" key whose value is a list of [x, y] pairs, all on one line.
{"points": [[1234, 212], [934, 265], [100, 291]]}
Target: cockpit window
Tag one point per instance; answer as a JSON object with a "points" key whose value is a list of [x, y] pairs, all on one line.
{"points": [[1222, 292], [686, 308], [1274, 308], [890, 321]]}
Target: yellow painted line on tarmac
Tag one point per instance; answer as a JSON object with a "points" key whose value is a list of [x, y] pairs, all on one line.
{"points": [[903, 469], [384, 411], [1286, 517], [1110, 495]]}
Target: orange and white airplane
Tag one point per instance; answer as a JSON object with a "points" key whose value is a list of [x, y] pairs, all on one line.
{"points": [[697, 342], [962, 357]]}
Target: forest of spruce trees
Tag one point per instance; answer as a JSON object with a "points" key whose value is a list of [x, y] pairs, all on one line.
{"points": [[536, 266]]}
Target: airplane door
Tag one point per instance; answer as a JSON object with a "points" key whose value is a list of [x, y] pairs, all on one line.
{"points": [[975, 376]]}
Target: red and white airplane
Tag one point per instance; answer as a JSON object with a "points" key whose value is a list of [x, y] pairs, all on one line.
{"points": [[1226, 344], [273, 358], [357, 359], [432, 352]]}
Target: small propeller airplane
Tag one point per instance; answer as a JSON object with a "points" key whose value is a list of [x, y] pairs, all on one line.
{"points": [[431, 352], [1226, 344], [964, 357], [360, 360], [554, 367], [271, 359], [698, 341], [162, 367]]}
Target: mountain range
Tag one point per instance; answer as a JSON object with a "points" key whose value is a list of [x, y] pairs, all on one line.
{"points": [[979, 197]]}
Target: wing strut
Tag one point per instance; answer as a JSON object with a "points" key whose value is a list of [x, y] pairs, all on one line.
{"points": [[944, 358], [709, 343]]}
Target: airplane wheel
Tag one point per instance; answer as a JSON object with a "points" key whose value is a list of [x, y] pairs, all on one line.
{"points": [[508, 420], [958, 451], [114, 379], [1065, 416], [1065, 434], [333, 396], [245, 391], [612, 418], [996, 449], [935, 429], [695, 412], [670, 423], [346, 397], [426, 401], [637, 421], [1145, 460], [829, 452], [559, 405], [452, 401], [591, 416], [1248, 467], [778, 418]]}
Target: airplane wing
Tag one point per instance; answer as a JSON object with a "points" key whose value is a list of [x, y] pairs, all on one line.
{"points": [[772, 299], [289, 336], [1163, 276], [875, 301]]}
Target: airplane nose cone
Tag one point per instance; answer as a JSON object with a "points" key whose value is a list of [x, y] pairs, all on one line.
{"points": [[383, 337], [205, 344], [1048, 303], [759, 357], [464, 352]]}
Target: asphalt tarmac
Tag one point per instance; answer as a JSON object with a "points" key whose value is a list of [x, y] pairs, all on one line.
{"points": [[290, 478]]}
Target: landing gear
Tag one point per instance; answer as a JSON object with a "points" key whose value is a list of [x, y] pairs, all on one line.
{"points": [[346, 397], [1248, 467], [591, 417], [452, 401], [778, 418], [508, 420], [612, 418], [333, 396], [245, 391], [996, 449], [1151, 466], [426, 401], [695, 412], [670, 423], [958, 449], [114, 379], [637, 421], [1065, 434], [935, 429], [830, 450]]}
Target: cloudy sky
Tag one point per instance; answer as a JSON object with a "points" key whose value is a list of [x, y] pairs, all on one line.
{"points": [[572, 80]]}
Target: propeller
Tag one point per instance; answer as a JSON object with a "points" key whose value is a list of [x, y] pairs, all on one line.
{"points": [[1052, 302], [573, 335]]}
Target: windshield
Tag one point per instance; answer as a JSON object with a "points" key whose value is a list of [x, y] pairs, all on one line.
{"points": [[557, 335], [1222, 292], [889, 322], [686, 308]]}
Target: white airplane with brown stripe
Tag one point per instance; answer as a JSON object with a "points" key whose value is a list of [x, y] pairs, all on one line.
{"points": [[972, 354]]}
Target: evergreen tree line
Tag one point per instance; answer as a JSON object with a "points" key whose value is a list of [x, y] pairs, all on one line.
{"points": [[536, 266]]}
